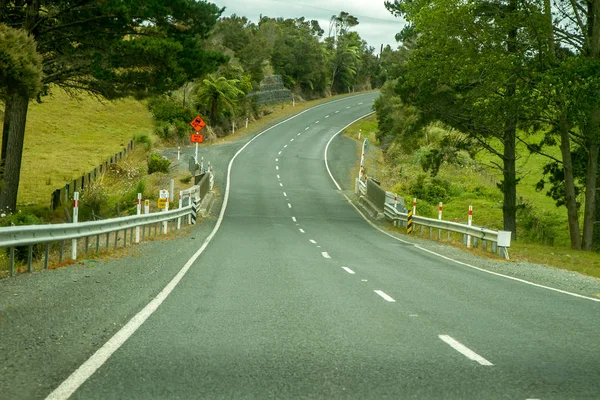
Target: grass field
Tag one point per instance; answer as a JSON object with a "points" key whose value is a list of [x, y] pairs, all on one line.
{"points": [[471, 186], [66, 137]]}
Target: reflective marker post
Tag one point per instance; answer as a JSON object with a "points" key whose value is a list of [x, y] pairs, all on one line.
{"points": [[75, 218]]}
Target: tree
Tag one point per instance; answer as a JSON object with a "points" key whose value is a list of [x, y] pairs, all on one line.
{"points": [[216, 92], [20, 74], [471, 61], [111, 49]]}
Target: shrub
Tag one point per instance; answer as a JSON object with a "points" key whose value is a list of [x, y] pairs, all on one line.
{"points": [[167, 110], [433, 191], [144, 140], [158, 163]]}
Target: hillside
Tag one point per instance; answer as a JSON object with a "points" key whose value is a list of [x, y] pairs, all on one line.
{"points": [[66, 137]]}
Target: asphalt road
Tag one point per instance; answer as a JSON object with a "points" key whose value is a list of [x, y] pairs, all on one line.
{"points": [[297, 296]]}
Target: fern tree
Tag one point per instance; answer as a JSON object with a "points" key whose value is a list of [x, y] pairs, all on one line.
{"points": [[218, 92]]}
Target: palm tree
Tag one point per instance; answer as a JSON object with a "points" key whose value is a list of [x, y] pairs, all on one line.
{"points": [[217, 92]]}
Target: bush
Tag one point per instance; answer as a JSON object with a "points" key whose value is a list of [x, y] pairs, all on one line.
{"points": [[167, 110], [433, 191], [158, 163], [144, 140]]}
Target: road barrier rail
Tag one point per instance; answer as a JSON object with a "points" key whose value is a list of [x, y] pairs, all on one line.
{"points": [[99, 231], [481, 233]]}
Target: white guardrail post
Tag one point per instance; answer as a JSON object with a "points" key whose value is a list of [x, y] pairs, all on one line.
{"points": [[440, 218], [75, 218], [469, 222], [180, 207], [138, 212]]}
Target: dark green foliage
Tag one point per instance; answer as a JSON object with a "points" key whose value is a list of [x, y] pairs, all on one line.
{"points": [[157, 163], [165, 109], [431, 190]]}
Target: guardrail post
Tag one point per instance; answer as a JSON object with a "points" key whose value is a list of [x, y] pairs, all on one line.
{"points": [[75, 218], [166, 223], [469, 222], [180, 207], [138, 212], [440, 218]]}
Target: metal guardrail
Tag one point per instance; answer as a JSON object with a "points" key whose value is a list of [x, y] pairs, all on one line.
{"points": [[31, 235], [475, 231], [14, 236], [362, 187], [481, 233]]}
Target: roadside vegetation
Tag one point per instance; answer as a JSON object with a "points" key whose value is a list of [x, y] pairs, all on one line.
{"points": [[512, 85], [543, 230]]}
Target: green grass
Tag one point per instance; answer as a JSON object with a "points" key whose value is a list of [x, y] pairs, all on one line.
{"points": [[67, 137], [398, 170]]}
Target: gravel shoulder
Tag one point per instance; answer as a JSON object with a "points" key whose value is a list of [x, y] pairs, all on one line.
{"points": [[342, 158]]}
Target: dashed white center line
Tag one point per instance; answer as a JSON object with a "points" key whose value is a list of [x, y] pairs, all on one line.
{"points": [[284, 194], [413, 315], [289, 205], [307, 128], [301, 230], [348, 270], [279, 153], [317, 122], [280, 184], [385, 296], [347, 108], [285, 146], [278, 177], [364, 280], [312, 241], [299, 134], [464, 350], [277, 160], [277, 167], [292, 139], [327, 116], [360, 104], [325, 254], [337, 111], [294, 219]]}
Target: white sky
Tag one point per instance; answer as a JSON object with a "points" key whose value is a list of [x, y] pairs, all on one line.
{"points": [[376, 25]]}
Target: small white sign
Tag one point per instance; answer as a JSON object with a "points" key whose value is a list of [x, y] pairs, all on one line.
{"points": [[163, 194]]}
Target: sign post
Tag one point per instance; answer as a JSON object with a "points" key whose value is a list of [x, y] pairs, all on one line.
{"points": [[163, 203], [469, 222], [198, 124]]}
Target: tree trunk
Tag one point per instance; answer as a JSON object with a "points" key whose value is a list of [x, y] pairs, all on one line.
{"points": [[509, 209], [589, 216], [570, 197], [5, 134], [509, 183], [19, 104], [593, 130]]}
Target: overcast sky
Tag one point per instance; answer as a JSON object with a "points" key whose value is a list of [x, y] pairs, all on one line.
{"points": [[376, 25]]}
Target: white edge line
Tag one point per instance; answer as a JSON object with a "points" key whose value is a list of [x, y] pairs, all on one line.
{"points": [[87, 369], [348, 270], [464, 350], [331, 140], [325, 254], [433, 252], [385, 296]]}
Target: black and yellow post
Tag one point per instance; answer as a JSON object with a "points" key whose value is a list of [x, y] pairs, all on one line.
{"points": [[409, 222]]}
